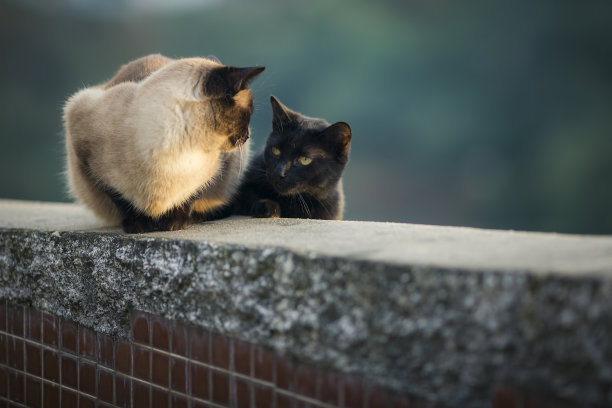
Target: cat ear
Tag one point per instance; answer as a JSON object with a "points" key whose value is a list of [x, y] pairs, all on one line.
{"points": [[340, 135], [213, 58], [230, 79], [281, 115], [240, 78]]}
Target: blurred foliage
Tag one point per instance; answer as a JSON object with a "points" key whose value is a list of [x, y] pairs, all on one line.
{"points": [[475, 113]]}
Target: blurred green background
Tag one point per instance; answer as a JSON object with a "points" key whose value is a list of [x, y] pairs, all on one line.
{"points": [[477, 113]]}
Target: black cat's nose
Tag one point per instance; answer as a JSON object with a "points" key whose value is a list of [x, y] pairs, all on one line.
{"points": [[283, 168]]}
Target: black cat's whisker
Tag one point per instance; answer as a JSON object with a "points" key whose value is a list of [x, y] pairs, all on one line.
{"points": [[304, 205], [296, 197]]}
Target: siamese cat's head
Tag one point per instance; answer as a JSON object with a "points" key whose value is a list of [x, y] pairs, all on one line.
{"points": [[302, 154], [208, 103]]}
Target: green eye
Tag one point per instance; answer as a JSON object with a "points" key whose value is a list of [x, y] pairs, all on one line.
{"points": [[275, 151], [305, 161]]}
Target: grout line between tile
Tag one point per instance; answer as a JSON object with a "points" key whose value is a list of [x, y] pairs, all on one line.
{"points": [[210, 359], [23, 352], [131, 345], [168, 389], [46, 381], [206, 365], [42, 360], [169, 337], [252, 374], [59, 355], [18, 404], [150, 328], [114, 373], [317, 403]]}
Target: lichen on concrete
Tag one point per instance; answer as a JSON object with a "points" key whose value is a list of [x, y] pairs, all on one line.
{"points": [[446, 334]]}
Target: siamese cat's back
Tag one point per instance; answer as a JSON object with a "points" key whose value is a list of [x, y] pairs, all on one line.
{"points": [[78, 107], [82, 128], [138, 69]]}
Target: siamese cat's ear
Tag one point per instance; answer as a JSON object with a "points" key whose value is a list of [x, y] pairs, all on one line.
{"points": [[282, 116], [213, 58], [339, 135], [230, 80]]}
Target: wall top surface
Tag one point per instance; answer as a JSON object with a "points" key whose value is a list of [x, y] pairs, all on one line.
{"points": [[393, 243], [443, 313]]}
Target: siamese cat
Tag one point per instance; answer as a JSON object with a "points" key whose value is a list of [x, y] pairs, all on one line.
{"points": [[159, 140], [298, 173]]}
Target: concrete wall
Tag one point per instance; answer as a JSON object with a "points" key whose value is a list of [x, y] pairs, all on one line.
{"points": [[459, 317]]}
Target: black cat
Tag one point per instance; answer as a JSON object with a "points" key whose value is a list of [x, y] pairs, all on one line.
{"points": [[297, 174]]}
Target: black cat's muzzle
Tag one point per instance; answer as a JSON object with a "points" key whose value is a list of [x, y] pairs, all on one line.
{"points": [[284, 186]]}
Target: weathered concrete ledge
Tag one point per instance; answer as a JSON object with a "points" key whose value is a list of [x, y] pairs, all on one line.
{"points": [[438, 312]]}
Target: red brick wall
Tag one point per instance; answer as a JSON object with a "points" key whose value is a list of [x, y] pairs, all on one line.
{"points": [[46, 361]]}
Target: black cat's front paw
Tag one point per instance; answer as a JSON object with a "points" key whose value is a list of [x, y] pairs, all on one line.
{"points": [[265, 208]]}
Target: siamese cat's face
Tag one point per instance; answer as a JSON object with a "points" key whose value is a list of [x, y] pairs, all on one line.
{"points": [[302, 154], [230, 102], [209, 102]]}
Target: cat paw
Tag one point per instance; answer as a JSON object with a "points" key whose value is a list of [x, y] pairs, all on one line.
{"points": [[130, 227], [174, 220], [137, 225], [174, 223], [266, 209]]}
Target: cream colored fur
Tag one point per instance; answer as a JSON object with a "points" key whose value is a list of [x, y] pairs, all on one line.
{"points": [[152, 141]]}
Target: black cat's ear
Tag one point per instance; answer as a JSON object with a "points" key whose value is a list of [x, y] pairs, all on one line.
{"points": [[282, 116], [231, 80], [340, 135]]}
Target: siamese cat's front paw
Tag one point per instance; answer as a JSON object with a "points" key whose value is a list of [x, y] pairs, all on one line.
{"points": [[265, 208], [178, 222], [176, 219], [137, 224]]}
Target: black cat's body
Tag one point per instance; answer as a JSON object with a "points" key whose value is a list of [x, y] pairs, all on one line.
{"points": [[297, 174], [258, 198]]}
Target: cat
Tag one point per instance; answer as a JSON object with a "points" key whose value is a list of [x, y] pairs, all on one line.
{"points": [[298, 173], [161, 139]]}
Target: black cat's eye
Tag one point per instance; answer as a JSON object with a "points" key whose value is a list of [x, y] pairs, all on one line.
{"points": [[275, 151], [304, 160]]}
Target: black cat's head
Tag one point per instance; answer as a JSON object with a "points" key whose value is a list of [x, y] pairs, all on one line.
{"points": [[304, 155]]}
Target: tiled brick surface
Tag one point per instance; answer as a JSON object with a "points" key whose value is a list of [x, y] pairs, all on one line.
{"points": [[49, 362]]}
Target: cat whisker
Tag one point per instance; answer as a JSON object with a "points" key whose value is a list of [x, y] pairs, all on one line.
{"points": [[240, 159], [304, 205]]}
